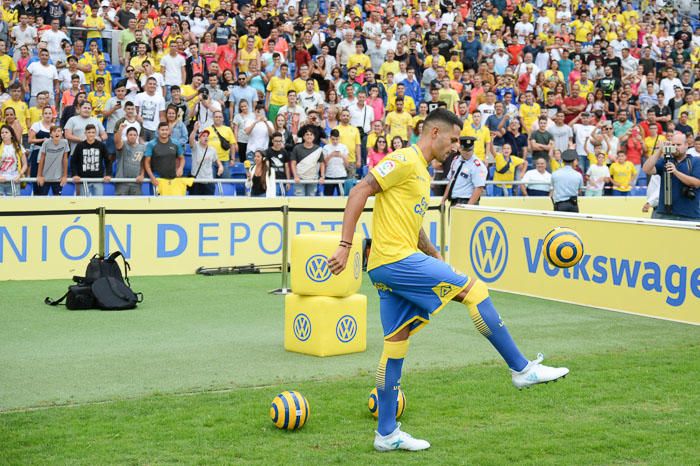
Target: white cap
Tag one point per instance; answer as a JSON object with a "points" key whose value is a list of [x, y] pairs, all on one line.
{"points": [[470, 29], [105, 3]]}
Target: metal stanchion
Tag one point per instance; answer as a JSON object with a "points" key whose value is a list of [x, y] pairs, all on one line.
{"points": [[442, 230], [284, 290], [101, 233]]}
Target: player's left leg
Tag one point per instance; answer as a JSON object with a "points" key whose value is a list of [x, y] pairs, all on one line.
{"points": [[487, 320]]}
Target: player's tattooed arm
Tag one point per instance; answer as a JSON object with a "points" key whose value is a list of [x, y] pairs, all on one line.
{"points": [[357, 199], [372, 184], [426, 246]]}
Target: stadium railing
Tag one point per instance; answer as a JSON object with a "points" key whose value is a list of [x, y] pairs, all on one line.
{"points": [[223, 186]]}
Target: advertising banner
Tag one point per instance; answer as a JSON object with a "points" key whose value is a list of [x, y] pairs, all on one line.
{"points": [[42, 238], [650, 268]]}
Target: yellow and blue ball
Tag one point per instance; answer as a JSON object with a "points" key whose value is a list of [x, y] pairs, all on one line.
{"points": [[373, 403], [289, 410], [563, 247]]}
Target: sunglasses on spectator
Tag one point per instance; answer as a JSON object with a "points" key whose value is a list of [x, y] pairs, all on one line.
{"points": [[130, 71]]}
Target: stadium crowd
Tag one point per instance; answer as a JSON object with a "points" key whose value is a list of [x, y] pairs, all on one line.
{"points": [[317, 93]]}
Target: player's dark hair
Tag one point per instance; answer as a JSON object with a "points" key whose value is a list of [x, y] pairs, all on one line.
{"points": [[444, 116]]}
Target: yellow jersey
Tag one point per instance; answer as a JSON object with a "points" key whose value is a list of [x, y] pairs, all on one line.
{"points": [[451, 66], [623, 173], [555, 165], [399, 209], [94, 22], [529, 114], [7, 64], [387, 67], [409, 105], [299, 85], [693, 115], [482, 135], [399, 125], [215, 142], [98, 102], [350, 138], [278, 87], [508, 171], [360, 61], [21, 112]]}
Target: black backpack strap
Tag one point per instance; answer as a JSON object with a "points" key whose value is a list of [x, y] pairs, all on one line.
{"points": [[112, 258], [56, 302]]}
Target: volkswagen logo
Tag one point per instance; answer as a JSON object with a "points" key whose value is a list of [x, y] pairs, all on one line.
{"points": [[302, 327], [356, 265], [488, 249], [346, 329], [317, 268]]}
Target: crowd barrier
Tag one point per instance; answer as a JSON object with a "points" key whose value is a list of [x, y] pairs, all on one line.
{"points": [[646, 267]]}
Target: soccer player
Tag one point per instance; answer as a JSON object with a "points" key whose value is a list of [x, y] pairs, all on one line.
{"points": [[413, 281]]}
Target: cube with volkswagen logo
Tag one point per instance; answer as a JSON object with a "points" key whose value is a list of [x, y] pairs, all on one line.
{"points": [[311, 275], [325, 326]]}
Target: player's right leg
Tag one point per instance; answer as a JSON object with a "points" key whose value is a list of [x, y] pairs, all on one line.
{"points": [[487, 320]]}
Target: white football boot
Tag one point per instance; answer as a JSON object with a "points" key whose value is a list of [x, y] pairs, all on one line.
{"points": [[535, 372], [398, 440]]}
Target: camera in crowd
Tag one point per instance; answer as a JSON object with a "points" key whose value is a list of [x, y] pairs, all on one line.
{"points": [[204, 94], [686, 191]]}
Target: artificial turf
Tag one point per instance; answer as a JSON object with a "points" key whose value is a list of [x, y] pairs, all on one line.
{"points": [[189, 375]]}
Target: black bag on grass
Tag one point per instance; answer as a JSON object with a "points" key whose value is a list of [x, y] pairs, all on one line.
{"points": [[102, 287]]}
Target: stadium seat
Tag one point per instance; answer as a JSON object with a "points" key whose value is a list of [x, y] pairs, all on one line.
{"points": [[147, 189], [188, 164], [68, 190], [109, 189], [225, 189], [239, 172], [28, 190], [108, 58]]}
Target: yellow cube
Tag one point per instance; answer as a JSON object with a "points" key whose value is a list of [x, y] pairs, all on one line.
{"points": [[311, 275], [325, 326]]}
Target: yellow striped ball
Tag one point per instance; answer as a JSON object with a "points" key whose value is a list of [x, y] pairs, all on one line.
{"points": [[373, 403], [289, 410], [563, 247]]}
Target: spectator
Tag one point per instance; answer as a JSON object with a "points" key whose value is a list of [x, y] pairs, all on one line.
{"points": [[164, 161], [150, 110], [597, 175], [278, 159], [536, 182], [204, 158], [91, 160], [13, 162], [623, 175], [378, 152], [335, 157], [261, 177], [306, 164], [52, 172], [506, 165], [129, 159], [76, 127], [222, 140]]}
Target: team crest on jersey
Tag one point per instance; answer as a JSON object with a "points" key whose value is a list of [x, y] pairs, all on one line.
{"points": [[398, 157], [382, 287], [386, 167], [444, 289]]}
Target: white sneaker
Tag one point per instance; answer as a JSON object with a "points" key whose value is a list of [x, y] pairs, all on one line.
{"points": [[398, 440], [535, 372]]}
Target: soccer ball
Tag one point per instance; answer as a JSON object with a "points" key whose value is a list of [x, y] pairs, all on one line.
{"points": [[289, 410], [373, 403], [563, 247]]}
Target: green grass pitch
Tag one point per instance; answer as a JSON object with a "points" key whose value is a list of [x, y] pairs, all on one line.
{"points": [[188, 377]]}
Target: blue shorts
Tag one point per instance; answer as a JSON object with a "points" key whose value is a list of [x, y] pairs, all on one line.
{"points": [[413, 289]]}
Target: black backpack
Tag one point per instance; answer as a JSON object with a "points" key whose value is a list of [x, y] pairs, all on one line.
{"points": [[102, 287]]}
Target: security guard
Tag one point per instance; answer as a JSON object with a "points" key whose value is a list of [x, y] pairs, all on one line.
{"points": [[467, 175], [567, 183]]}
